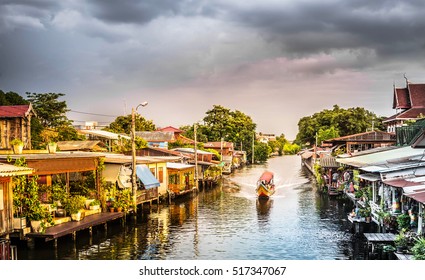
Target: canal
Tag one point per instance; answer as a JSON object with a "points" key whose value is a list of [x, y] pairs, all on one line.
{"points": [[225, 223]]}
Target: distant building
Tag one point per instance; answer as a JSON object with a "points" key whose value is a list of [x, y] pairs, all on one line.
{"points": [[265, 138], [15, 123], [409, 103]]}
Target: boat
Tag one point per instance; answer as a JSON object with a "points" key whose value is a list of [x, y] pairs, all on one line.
{"points": [[265, 185]]}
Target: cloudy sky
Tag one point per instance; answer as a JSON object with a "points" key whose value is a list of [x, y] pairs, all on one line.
{"points": [[275, 60]]}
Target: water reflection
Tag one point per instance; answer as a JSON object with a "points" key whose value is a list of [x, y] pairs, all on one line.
{"points": [[227, 222]]}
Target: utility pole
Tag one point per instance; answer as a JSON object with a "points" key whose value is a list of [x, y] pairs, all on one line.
{"points": [[133, 154], [253, 140], [196, 158]]}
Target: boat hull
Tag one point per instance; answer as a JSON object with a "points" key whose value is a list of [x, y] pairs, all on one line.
{"points": [[265, 191]]}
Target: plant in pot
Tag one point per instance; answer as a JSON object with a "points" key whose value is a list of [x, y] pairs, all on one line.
{"points": [[39, 218], [365, 213], [401, 241], [94, 205], [74, 206], [17, 145]]}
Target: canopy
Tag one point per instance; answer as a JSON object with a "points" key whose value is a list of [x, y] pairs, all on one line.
{"points": [[146, 176]]}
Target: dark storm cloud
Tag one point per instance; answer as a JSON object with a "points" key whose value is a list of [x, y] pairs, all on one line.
{"points": [[130, 11], [386, 27]]}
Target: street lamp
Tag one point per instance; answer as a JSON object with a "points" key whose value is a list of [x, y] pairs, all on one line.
{"points": [[133, 153]]}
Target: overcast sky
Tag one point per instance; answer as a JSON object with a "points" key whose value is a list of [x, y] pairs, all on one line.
{"points": [[276, 61]]}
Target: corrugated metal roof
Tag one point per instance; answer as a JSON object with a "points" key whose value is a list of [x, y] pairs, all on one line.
{"points": [[175, 165], [399, 154], [328, 162], [7, 170], [191, 151], [401, 183], [79, 145], [370, 177], [104, 134], [418, 196], [156, 136]]}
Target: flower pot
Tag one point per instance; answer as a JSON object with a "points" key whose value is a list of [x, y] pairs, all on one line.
{"points": [[36, 226], [111, 209], [51, 147], [76, 216], [94, 207], [19, 223], [17, 149]]}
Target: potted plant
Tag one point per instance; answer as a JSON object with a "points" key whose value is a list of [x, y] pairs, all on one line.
{"points": [[51, 147], [401, 241], [17, 145], [74, 206], [94, 205], [365, 213], [39, 218]]}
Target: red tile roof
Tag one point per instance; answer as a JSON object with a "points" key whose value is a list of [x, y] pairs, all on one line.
{"points": [[170, 128], [412, 113], [15, 111], [401, 98], [417, 95]]}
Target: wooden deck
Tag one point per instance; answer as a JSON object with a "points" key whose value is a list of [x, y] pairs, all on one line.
{"points": [[379, 237], [60, 230]]}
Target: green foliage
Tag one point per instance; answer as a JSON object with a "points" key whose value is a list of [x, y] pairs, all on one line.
{"points": [[336, 121], [74, 204], [50, 111], [26, 202], [262, 152], [122, 124], [326, 133], [418, 249], [403, 221], [16, 141], [11, 98], [291, 149]]}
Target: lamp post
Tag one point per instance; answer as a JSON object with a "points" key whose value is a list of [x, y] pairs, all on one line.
{"points": [[133, 153]]}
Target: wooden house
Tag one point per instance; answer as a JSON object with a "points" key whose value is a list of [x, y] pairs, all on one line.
{"points": [[157, 165], [181, 179], [157, 139], [225, 149], [7, 172], [409, 103], [362, 141], [15, 123]]}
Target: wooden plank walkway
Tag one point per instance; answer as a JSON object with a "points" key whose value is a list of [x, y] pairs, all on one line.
{"points": [[60, 230], [379, 237], [403, 256]]}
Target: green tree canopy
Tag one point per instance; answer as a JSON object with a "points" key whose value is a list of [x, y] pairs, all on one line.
{"points": [[122, 124], [223, 123], [50, 111], [344, 122]]}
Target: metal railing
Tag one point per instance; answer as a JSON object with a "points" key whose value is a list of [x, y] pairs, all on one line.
{"points": [[8, 251]]}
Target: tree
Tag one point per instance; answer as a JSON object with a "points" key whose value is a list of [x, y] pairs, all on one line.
{"points": [[344, 122], [262, 152], [50, 111], [122, 124], [325, 134]]}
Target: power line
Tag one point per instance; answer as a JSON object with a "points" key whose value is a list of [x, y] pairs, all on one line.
{"points": [[93, 114]]}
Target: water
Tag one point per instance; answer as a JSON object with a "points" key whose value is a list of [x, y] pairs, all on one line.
{"points": [[226, 223]]}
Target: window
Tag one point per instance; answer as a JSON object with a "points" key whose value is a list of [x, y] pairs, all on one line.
{"points": [[160, 174]]}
